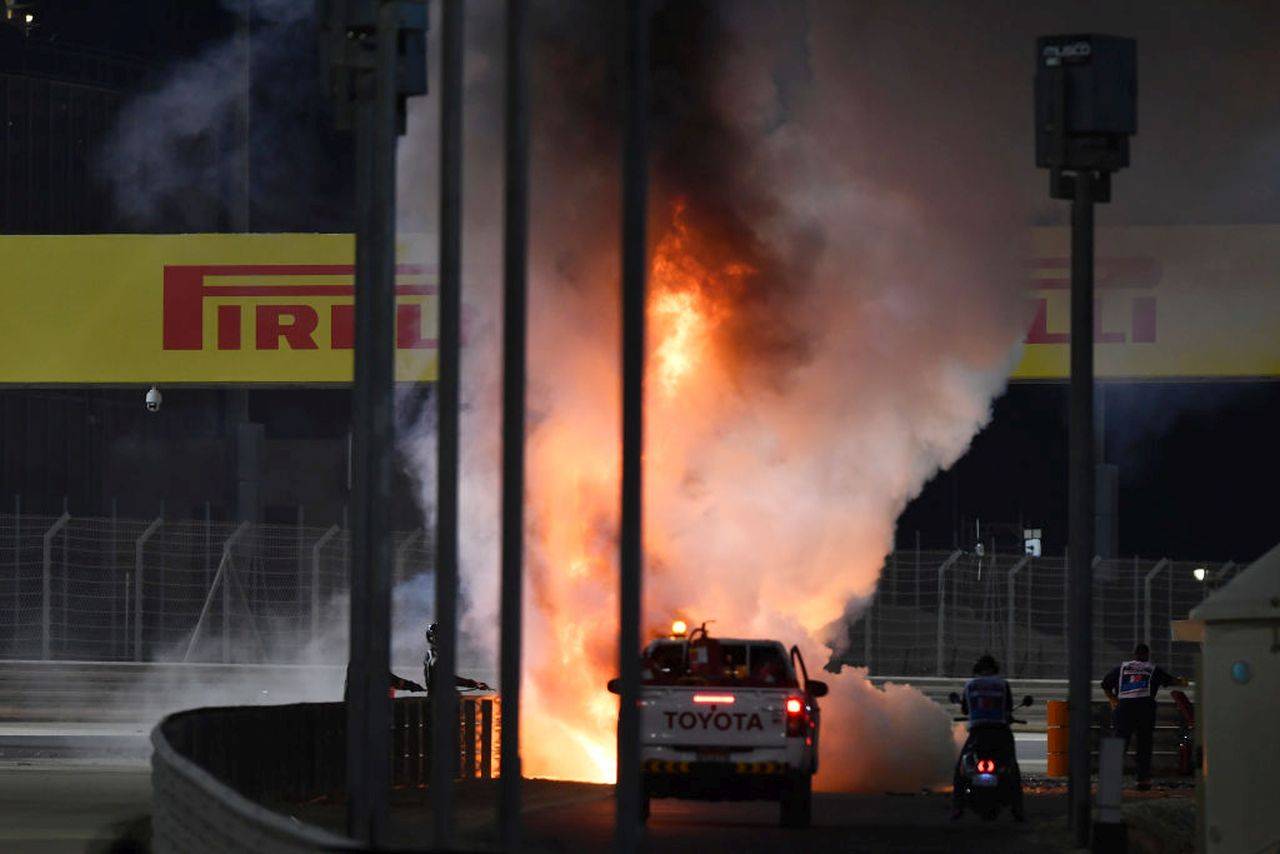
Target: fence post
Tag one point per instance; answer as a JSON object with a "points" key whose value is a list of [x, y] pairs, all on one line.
{"points": [[17, 566], [402, 551], [224, 570], [1146, 598], [113, 576], [45, 584], [1008, 647], [315, 578], [942, 605], [1136, 599], [302, 573], [137, 585]]}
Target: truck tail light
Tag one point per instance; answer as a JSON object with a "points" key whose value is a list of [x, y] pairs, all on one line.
{"points": [[795, 717], [716, 699]]}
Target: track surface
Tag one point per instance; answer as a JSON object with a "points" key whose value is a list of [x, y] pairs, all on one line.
{"points": [[70, 805]]}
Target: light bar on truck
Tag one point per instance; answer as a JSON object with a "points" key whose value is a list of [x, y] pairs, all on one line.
{"points": [[725, 699]]}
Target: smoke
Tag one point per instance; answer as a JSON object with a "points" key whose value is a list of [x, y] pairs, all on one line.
{"points": [[835, 301], [227, 136]]}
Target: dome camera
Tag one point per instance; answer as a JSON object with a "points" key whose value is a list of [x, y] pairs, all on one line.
{"points": [[153, 400]]}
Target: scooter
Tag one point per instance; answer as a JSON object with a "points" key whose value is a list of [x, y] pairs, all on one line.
{"points": [[985, 774]]}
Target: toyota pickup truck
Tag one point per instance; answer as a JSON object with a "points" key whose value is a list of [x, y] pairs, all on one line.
{"points": [[728, 719]]}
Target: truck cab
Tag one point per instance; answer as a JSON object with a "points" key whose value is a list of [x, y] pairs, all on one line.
{"points": [[728, 719]]}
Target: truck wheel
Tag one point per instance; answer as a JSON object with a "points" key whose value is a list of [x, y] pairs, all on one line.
{"points": [[797, 798]]}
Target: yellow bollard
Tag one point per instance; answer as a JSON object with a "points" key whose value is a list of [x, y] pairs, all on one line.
{"points": [[1056, 716]]}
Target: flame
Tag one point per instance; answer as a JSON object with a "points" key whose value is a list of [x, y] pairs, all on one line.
{"points": [[574, 484]]}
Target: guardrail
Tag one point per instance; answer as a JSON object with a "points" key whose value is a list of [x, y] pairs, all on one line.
{"points": [[213, 769]]}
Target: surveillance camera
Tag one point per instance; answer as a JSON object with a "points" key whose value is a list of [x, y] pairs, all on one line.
{"points": [[153, 400]]}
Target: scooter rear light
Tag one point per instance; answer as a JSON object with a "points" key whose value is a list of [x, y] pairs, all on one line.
{"points": [[986, 766]]}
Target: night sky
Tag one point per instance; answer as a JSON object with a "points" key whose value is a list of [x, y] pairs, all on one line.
{"points": [[1198, 461]]}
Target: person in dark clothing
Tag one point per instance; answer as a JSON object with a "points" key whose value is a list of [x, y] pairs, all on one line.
{"points": [[1131, 689], [430, 661], [988, 701]]}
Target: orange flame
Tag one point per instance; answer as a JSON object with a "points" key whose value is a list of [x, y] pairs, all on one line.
{"points": [[570, 723]]}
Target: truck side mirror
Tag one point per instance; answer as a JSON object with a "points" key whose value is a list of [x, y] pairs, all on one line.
{"points": [[614, 686], [1027, 701], [953, 697], [816, 688]]}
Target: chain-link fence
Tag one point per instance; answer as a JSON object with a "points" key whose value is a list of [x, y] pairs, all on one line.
{"points": [[934, 613], [96, 589]]}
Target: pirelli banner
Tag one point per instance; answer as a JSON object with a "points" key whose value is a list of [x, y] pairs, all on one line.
{"points": [[1173, 302], [197, 308]]}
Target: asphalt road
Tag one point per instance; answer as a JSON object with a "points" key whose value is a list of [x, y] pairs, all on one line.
{"points": [[854, 823], [65, 805]]}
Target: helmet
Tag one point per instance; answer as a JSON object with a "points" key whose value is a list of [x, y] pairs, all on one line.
{"points": [[985, 665], [431, 633]]}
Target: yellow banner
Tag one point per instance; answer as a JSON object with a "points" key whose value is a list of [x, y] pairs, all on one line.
{"points": [[196, 308], [1172, 302]]}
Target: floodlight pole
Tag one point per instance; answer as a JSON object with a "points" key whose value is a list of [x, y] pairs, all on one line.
{"points": [[1085, 112], [1081, 497], [444, 699], [375, 52], [515, 312], [629, 831]]}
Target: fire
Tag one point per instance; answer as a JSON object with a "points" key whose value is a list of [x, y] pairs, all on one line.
{"points": [[574, 484]]}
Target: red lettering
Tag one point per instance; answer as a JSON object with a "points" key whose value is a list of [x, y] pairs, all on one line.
{"points": [[1039, 332], [342, 327], [409, 328], [228, 327], [1143, 323], [1100, 335], [297, 333]]}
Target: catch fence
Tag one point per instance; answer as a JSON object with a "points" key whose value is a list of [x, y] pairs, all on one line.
{"points": [[934, 613], [102, 589]]}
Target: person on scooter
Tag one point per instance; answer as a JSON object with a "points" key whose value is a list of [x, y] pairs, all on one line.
{"points": [[988, 701], [1131, 690]]}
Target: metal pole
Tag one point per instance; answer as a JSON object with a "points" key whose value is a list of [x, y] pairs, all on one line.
{"points": [[315, 579], [369, 709], [46, 578], [112, 576], [942, 605], [444, 703], [17, 566], [515, 331], [1146, 598], [1081, 497], [1008, 647], [137, 585], [629, 831], [301, 583]]}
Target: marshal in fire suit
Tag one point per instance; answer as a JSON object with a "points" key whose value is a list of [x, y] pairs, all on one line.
{"points": [[988, 701], [1131, 689]]}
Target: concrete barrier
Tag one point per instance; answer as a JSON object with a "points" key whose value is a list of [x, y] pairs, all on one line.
{"points": [[215, 770]]}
